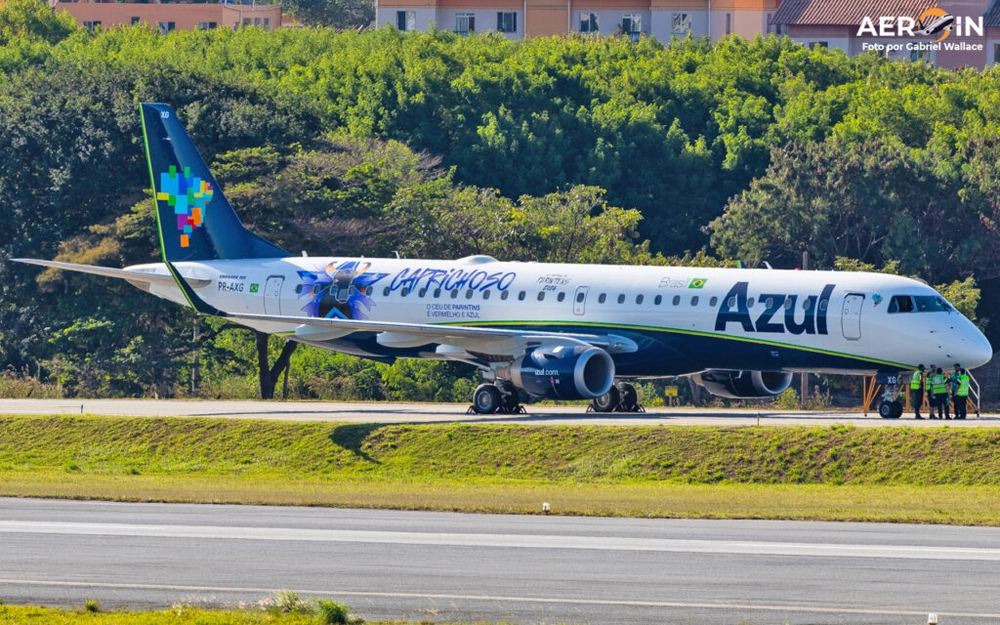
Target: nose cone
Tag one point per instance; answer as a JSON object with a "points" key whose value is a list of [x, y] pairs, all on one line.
{"points": [[972, 349]]}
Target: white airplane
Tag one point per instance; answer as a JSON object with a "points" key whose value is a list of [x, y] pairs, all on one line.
{"points": [[558, 331]]}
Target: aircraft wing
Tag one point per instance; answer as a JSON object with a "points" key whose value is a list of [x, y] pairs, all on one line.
{"points": [[134, 276], [487, 340]]}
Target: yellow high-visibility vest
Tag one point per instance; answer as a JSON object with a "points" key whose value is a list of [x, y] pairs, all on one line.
{"points": [[938, 384]]}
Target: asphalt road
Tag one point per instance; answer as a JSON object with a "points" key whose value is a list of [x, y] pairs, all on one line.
{"points": [[357, 412], [454, 567]]}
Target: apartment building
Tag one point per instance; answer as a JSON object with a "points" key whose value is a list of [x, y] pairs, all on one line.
{"points": [[517, 19], [167, 16], [947, 33]]}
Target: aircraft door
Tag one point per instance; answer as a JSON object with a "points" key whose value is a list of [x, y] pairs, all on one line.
{"points": [[272, 295], [580, 300], [851, 317]]}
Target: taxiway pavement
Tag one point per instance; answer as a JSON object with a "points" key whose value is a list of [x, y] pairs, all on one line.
{"points": [[361, 412], [424, 566]]}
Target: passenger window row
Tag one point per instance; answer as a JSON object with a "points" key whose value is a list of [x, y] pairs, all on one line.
{"points": [[899, 303], [541, 296]]}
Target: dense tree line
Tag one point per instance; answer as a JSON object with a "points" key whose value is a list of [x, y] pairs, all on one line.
{"points": [[431, 144]]}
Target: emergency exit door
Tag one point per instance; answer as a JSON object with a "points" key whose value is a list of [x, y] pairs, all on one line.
{"points": [[851, 317]]}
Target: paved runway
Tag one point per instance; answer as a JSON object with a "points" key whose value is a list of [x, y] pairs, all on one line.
{"points": [[357, 412], [466, 568]]}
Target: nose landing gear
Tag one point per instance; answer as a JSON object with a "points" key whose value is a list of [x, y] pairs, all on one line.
{"points": [[890, 407]]}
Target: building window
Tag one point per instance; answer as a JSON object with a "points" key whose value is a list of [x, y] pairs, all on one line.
{"points": [[165, 27], [996, 53], [506, 22], [588, 23], [134, 20], [632, 25], [820, 44], [729, 23], [406, 21], [465, 23], [680, 24], [768, 27], [207, 25], [91, 25]]}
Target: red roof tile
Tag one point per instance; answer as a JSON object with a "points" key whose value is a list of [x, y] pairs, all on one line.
{"points": [[845, 12], [993, 15]]}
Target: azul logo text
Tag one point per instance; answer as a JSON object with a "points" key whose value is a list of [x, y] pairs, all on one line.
{"points": [[735, 309]]}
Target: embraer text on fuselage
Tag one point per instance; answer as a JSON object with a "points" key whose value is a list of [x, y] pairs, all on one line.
{"points": [[735, 309]]}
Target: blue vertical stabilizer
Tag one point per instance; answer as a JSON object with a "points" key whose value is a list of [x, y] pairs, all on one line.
{"points": [[195, 220]]}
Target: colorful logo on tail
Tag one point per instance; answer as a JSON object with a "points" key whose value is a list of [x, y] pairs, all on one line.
{"points": [[190, 196]]}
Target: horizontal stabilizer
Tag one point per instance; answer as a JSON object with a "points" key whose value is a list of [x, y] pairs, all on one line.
{"points": [[132, 275]]}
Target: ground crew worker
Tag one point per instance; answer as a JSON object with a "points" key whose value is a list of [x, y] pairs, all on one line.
{"points": [[917, 390], [953, 383], [929, 388], [962, 394], [939, 386]]}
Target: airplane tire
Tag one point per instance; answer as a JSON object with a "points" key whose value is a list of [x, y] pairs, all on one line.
{"points": [[608, 401], [629, 396], [887, 410], [898, 409], [509, 397], [510, 402], [486, 399]]}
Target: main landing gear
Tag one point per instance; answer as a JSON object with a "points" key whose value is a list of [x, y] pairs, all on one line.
{"points": [[621, 397], [500, 397]]}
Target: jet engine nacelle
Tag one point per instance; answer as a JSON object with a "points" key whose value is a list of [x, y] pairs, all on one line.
{"points": [[744, 384], [563, 372]]}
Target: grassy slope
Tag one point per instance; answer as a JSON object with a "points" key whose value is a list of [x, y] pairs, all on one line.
{"points": [[50, 616], [841, 473]]}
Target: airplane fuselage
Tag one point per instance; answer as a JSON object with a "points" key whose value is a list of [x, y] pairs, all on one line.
{"points": [[676, 320]]}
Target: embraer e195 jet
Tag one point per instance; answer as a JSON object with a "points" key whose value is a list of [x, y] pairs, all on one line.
{"points": [[557, 331]]}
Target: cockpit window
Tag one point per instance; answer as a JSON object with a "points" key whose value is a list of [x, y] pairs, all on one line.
{"points": [[918, 303], [901, 303], [931, 303]]}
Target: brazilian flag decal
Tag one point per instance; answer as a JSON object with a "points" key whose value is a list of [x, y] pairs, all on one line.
{"points": [[697, 283], [254, 287]]}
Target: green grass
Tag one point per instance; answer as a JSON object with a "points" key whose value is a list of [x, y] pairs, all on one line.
{"points": [[939, 475], [270, 612], [50, 616]]}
